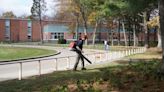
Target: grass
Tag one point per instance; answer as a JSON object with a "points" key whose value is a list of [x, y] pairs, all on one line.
{"points": [[111, 48], [132, 77], [97, 46], [13, 53]]}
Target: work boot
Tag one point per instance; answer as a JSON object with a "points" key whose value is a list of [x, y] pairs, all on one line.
{"points": [[74, 70], [83, 68]]}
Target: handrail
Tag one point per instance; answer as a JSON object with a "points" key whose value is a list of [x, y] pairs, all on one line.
{"points": [[33, 60]]}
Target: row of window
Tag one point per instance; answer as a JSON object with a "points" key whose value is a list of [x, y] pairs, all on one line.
{"points": [[61, 36], [29, 31], [57, 35], [7, 30]]}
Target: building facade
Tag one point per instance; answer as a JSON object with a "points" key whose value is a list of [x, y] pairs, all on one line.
{"points": [[16, 30], [24, 30]]}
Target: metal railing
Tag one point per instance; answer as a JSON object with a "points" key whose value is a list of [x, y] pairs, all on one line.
{"points": [[66, 63]]}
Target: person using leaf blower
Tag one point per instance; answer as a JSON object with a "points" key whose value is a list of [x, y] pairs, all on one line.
{"points": [[77, 46]]}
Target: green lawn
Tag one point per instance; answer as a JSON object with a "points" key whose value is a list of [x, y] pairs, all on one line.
{"points": [[12, 53], [97, 46]]}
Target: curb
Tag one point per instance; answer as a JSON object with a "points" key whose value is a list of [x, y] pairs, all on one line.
{"points": [[30, 58]]}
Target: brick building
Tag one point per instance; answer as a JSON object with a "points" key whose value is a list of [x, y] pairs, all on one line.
{"points": [[15, 30], [21, 30]]}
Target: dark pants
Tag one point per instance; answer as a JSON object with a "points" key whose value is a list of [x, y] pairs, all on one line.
{"points": [[79, 56]]}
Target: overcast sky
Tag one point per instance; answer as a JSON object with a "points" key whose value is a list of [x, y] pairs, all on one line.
{"points": [[20, 7]]}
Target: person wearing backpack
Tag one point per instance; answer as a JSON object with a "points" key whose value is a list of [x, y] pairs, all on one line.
{"points": [[77, 46]]}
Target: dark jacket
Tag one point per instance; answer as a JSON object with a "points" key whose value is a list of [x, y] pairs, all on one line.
{"points": [[80, 44]]}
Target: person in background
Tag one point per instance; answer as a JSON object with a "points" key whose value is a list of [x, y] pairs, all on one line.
{"points": [[105, 45]]}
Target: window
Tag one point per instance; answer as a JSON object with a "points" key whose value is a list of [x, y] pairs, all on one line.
{"points": [[29, 30], [7, 30], [57, 35]]}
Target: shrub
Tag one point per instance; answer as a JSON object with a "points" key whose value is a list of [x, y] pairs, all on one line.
{"points": [[62, 41], [153, 43]]}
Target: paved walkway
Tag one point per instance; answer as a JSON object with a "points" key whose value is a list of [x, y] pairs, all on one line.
{"points": [[12, 71]]}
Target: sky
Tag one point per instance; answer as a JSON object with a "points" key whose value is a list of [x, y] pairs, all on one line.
{"points": [[21, 7]]}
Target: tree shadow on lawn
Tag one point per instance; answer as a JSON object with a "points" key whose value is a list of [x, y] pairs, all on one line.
{"points": [[134, 77], [130, 61]]}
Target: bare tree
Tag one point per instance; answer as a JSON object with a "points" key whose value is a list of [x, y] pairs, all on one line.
{"points": [[38, 9]]}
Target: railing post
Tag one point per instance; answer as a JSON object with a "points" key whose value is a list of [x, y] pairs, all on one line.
{"points": [[20, 71], [106, 56], [68, 63], [131, 51], [100, 57], [123, 53], [39, 64], [56, 64], [120, 54], [144, 49], [112, 56], [138, 51], [95, 58], [126, 53]]}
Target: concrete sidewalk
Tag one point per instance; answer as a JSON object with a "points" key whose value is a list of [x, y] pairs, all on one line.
{"points": [[12, 71]]}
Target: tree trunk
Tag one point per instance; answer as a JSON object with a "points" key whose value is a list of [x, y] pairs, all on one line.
{"points": [[85, 32], [108, 31], [118, 32], [41, 30], [145, 28], [84, 24], [100, 31], [161, 14], [111, 37], [137, 41], [123, 27], [40, 21], [77, 28], [94, 33]]}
